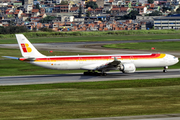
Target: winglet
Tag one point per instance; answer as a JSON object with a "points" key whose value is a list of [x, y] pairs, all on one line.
{"points": [[115, 62], [115, 59]]}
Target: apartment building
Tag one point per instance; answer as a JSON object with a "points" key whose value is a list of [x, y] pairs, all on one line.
{"points": [[167, 23], [62, 8]]}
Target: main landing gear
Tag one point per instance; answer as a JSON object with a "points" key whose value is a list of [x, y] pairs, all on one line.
{"points": [[95, 73], [165, 69]]}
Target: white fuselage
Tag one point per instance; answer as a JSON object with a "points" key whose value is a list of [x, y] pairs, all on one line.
{"points": [[86, 62]]}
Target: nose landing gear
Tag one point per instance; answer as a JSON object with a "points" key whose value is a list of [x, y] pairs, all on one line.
{"points": [[165, 69]]}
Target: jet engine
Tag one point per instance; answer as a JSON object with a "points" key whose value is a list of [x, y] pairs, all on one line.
{"points": [[127, 68]]}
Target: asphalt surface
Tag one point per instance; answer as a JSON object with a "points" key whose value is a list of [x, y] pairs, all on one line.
{"points": [[79, 77]]}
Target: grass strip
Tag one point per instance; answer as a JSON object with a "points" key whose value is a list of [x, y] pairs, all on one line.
{"points": [[90, 99], [159, 46], [55, 39], [92, 33], [97, 84]]}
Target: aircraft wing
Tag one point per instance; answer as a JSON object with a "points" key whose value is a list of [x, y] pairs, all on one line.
{"points": [[105, 66]]}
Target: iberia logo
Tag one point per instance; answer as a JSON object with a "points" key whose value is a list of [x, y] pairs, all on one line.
{"points": [[26, 47]]}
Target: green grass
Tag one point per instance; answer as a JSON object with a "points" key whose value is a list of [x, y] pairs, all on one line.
{"points": [[92, 33], [90, 99], [55, 39], [159, 46]]}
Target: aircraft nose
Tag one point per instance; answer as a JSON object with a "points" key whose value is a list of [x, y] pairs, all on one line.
{"points": [[176, 59]]}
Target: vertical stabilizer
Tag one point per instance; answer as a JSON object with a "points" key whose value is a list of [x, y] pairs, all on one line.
{"points": [[27, 49]]}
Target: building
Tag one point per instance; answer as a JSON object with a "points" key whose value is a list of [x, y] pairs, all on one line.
{"points": [[100, 3], [28, 2], [167, 23], [141, 9]]}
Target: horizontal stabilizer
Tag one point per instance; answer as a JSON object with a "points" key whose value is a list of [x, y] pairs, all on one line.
{"points": [[16, 58]]}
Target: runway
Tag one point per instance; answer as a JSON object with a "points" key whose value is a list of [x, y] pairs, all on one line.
{"points": [[79, 77]]}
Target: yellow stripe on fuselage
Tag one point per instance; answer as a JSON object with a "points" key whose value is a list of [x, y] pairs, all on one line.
{"points": [[162, 56]]}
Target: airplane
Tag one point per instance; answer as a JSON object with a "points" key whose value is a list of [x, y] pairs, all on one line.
{"points": [[126, 63]]}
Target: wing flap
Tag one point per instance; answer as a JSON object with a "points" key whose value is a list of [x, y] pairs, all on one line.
{"points": [[100, 66], [90, 67]]}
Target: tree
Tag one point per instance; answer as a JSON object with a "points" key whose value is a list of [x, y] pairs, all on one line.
{"points": [[12, 29], [131, 15], [178, 11], [64, 3], [151, 1], [22, 1], [37, 6], [155, 13], [108, 12], [47, 19], [46, 29], [28, 19], [164, 9], [88, 14], [80, 11], [92, 4]]}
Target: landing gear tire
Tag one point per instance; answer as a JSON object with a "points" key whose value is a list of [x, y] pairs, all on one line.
{"points": [[86, 73], [165, 69], [103, 74], [94, 73], [90, 73]]}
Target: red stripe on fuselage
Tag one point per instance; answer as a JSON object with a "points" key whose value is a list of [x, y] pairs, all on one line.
{"points": [[149, 56]]}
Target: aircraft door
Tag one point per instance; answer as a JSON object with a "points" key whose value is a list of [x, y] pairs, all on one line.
{"points": [[49, 62], [80, 60], [131, 59], [167, 59]]}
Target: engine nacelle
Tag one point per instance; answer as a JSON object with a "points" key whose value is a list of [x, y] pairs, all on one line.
{"points": [[127, 68]]}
